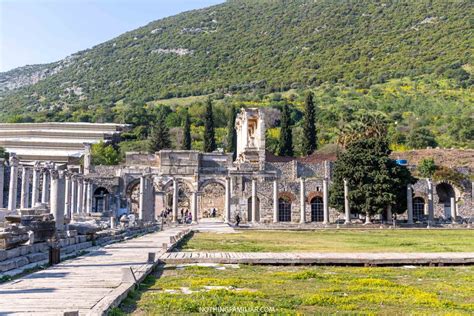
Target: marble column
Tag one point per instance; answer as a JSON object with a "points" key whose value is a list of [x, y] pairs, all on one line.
{"points": [[73, 206], [389, 214], [89, 197], [141, 202], [227, 200], [410, 204], [80, 195], [45, 190], [57, 198], [302, 201], [430, 201], [2, 179], [35, 185], [254, 200], [25, 188], [194, 207], [346, 203], [84, 195], [453, 209], [67, 195], [326, 201], [13, 190], [175, 201], [275, 201]]}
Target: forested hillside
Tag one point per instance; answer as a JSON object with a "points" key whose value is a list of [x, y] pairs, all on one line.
{"points": [[409, 59]]}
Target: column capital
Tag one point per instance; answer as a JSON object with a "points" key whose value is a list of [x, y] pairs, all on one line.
{"points": [[14, 161], [54, 174]]}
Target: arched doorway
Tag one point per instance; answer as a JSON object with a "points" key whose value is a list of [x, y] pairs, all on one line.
{"points": [[212, 200], [284, 209], [418, 208], [184, 197], [101, 201], [317, 206], [445, 192], [249, 209], [133, 196]]}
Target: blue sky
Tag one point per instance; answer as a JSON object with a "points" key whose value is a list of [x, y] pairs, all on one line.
{"points": [[42, 31]]}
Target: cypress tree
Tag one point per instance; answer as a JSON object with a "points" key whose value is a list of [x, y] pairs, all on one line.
{"points": [[232, 133], [309, 128], [209, 134], [187, 133], [160, 136], [286, 136]]}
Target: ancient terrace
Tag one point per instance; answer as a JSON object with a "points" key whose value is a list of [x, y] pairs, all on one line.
{"points": [[58, 142]]}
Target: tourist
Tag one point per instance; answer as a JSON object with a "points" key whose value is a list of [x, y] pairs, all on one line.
{"points": [[237, 220]]}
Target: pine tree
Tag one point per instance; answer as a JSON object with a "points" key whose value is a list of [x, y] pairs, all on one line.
{"points": [[187, 133], [160, 136], [309, 129], [209, 134], [232, 133], [286, 136]]}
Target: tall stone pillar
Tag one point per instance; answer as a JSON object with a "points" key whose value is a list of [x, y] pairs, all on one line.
{"points": [[227, 200], [325, 201], [87, 158], [389, 214], [194, 207], [84, 195], [35, 185], [453, 209], [89, 196], [175, 201], [80, 195], [67, 194], [275, 201], [302, 201], [57, 198], [410, 204], [2, 179], [12, 192], [141, 203], [25, 188], [254, 200], [346, 203], [73, 206], [45, 190], [430, 201]]}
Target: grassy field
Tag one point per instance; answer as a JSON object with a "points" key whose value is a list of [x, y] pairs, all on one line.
{"points": [[335, 241], [292, 290]]}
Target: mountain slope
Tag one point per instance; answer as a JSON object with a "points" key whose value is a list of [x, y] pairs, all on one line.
{"points": [[273, 45]]}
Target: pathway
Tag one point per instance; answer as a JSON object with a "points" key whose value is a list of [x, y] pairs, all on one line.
{"points": [[88, 284]]}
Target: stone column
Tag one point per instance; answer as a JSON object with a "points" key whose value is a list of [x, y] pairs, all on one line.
{"points": [[410, 204], [2, 179], [326, 201], [227, 200], [141, 203], [389, 214], [175, 201], [12, 192], [67, 194], [254, 200], [194, 207], [57, 198], [453, 209], [84, 195], [302, 202], [25, 185], [87, 158], [73, 206], [35, 186], [430, 200], [346, 203], [45, 190], [80, 195], [275, 201], [89, 197]]}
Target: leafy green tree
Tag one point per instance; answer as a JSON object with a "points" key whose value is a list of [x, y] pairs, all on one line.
{"points": [[375, 180], [209, 133], [420, 138], [286, 137], [426, 167], [3, 153], [187, 133], [309, 128], [160, 136], [103, 154], [231, 132]]}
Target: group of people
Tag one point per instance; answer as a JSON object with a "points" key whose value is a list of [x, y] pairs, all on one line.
{"points": [[186, 216]]}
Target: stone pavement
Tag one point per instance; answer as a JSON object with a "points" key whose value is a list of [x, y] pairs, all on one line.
{"points": [[88, 284], [341, 258]]}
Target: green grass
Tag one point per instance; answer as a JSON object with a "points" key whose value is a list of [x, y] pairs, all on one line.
{"points": [[292, 290], [335, 241]]}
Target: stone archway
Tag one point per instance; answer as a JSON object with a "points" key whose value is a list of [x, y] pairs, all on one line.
{"points": [[133, 196], [445, 192], [184, 196], [212, 198]]}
